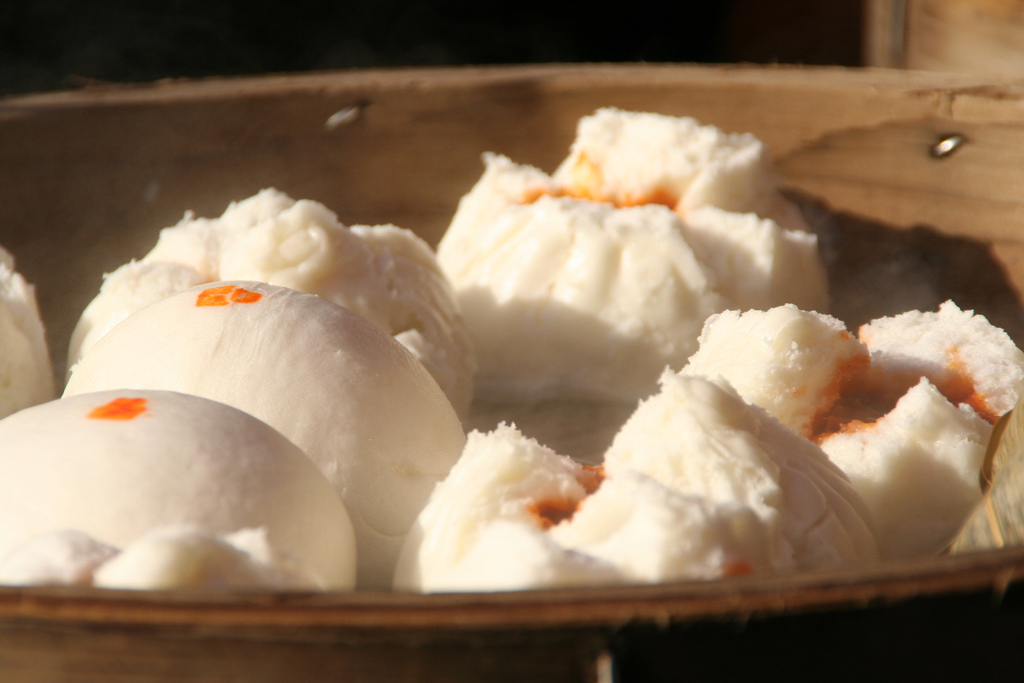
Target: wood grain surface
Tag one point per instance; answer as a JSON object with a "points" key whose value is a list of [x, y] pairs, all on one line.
{"points": [[967, 36]]}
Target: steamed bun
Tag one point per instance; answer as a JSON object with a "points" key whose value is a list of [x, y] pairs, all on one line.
{"points": [[176, 557], [116, 464], [696, 485], [699, 437], [905, 409], [515, 515], [588, 282]]}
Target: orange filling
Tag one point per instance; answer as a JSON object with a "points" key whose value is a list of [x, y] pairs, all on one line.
{"points": [[859, 406], [119, 409], [849, 400], [225, 295], [862, 398], [592, 477], [658, 196], [961, 389], [552, 512], [587, 177], [737, 568], [585, 174]]}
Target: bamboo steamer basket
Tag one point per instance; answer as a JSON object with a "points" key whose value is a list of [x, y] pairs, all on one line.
{"points": [[901, 171]]}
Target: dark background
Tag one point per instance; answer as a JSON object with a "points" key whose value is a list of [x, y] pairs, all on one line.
{"points": [[60, 44]]}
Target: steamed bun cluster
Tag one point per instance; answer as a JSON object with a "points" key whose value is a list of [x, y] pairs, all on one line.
{"points": [[698, 484], [348, 400], [357, 402], [386, 274], [272, 400], [587, 283], [785, 444], [346, 341]]}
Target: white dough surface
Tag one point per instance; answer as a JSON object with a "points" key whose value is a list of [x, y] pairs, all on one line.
{"points": [[116, 464]]}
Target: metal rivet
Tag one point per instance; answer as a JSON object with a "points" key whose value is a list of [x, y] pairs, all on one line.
{"points": [[342, 117], [946, 145]]}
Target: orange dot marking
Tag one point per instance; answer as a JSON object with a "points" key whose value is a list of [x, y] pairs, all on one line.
{"points": [[119, 409], [227, 294], [244, 296]]}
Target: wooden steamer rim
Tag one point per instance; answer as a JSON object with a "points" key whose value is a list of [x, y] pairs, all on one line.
{"points": [[100, 170], [736, 598]]}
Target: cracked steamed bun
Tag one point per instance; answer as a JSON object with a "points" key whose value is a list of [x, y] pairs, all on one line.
{"points": [[905, 409], [588, 282], [696, 485], [959, 351], [482, 528], [945, 377], [515, 515], [359, 404], [116, 464], [699, 437]]}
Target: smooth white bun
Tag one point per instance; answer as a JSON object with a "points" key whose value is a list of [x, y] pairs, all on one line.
{"points": [[26, 371], [347, 393], [384, 273], [66, 557], [698, 437], [116, 464], [177, 557], [124, 291]]}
